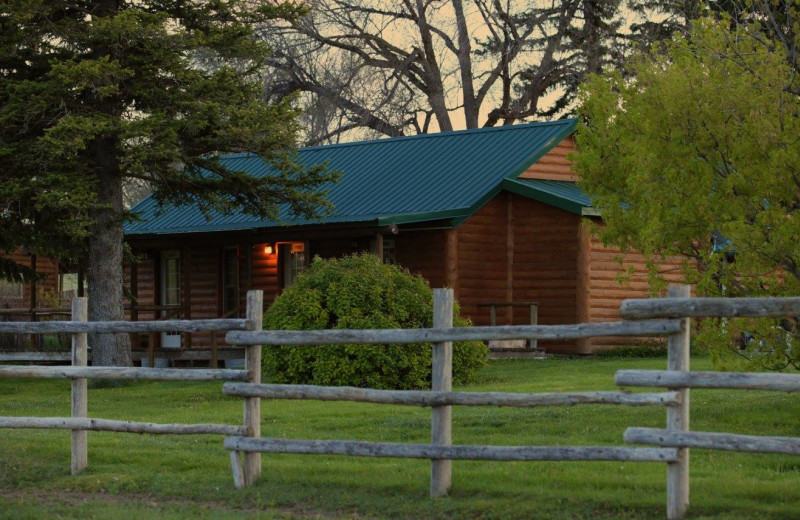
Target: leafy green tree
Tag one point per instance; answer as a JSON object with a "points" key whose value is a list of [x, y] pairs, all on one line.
{"points": [[97, 92], [697, 154]]}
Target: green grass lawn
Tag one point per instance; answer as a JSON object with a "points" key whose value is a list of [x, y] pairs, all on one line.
{"points": [[146, 476]]}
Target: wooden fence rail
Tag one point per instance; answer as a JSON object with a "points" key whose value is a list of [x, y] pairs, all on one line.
{"points": [[445, 452], [686, 307], [432, 398], [729, 380], [382, 337], [108, 327], [143, 373], [108, 425], [714, 441]]}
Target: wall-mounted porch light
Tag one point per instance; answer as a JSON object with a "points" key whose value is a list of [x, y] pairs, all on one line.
{"points": [[268, 249]]}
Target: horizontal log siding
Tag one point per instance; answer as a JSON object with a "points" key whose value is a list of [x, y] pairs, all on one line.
{"points": [[338, 247], [204, 299], [422, 252], [203, 277], [554, 165], [606, 293], [265, 275], [545, 265], [145, 294], [482, 260], [543, 260]]}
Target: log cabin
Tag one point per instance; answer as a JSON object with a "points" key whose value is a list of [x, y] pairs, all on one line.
{"points": [[494, 213]]}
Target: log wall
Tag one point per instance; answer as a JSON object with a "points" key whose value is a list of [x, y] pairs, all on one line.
{"points": [[423, 252], [146, 285], [203, 290], [545, 264], [554, 165], [265, 275], [516, 249], [482, 260], [604, 292]]}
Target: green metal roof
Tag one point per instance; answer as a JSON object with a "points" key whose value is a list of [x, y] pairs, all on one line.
{"points": [[400, 180]]}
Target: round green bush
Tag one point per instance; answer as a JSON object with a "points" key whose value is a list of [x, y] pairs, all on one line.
{"points": [[360, 292]]}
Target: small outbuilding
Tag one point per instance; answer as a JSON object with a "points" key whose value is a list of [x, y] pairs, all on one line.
{"points": [[494, 213]]}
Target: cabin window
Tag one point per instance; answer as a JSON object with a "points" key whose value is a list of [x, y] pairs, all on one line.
{"points": [[230, 280], [11, 290], [293, 261], [389, 255]]}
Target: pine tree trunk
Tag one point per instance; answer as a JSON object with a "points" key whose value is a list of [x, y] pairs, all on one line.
{"points": [[105, 273]]}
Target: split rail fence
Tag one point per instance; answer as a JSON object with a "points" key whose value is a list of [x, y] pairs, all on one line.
{"points": [[79, 373], [656, 317]]}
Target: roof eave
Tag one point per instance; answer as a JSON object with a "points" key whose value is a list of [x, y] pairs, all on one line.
{"points": [[410, 218], [547, 198], [248, 230]]}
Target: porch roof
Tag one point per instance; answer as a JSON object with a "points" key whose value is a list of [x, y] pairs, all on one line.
{"points": [[445, 176]]}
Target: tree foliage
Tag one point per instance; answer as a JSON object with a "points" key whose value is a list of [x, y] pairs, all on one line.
{"points": [[97, 92], [696, 153], [360, 292]]}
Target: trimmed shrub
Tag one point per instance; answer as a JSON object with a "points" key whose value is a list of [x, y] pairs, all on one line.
{"points": [[360, 292]]}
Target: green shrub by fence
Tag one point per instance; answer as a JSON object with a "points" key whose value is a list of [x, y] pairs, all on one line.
{"points": [[360, 292]]}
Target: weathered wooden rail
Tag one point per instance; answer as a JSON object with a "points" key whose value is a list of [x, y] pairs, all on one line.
{"points": [[79, 373]]}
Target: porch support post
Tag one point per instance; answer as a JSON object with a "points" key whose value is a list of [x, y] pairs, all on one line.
{"points": [[451, 260], [378, 249], [186, 301]]}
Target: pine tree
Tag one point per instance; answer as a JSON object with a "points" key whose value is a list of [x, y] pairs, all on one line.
{"points": [[94, 92]]}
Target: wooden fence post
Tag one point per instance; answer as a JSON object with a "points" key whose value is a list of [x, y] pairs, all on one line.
{"points": [[80, 408], [678, 416], [252, 405], [442, 381]]}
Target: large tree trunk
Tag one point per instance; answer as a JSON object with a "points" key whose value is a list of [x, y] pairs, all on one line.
{"points": [[105, 274]]}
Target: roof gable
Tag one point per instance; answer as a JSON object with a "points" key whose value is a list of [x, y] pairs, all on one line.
{"points": [[406, 179]]}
